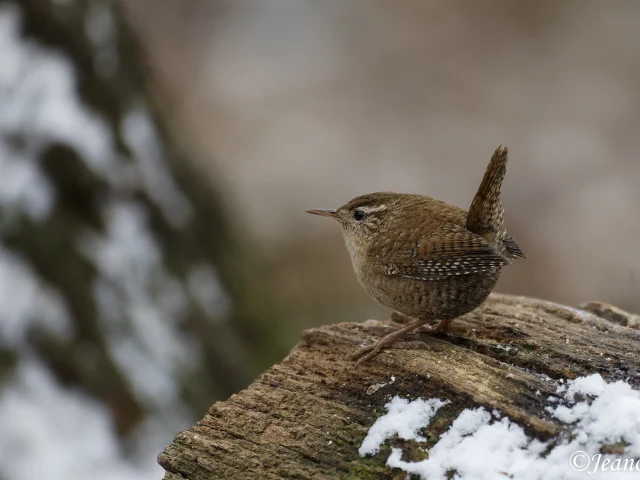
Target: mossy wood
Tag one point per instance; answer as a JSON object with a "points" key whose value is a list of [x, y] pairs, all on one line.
{"points": [[306, 417]]}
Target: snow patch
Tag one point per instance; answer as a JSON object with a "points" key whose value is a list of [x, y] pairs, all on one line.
{"points": [[141, 136], [610, 415], [23, 187], [134, 285], [403, 418], [479, 447], [100, 28], [41, 106], [39, 97], [54, 433], [26, 301], [205, 287]]}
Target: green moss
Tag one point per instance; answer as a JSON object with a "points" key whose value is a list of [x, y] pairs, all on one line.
{"points": [[370, 468]]}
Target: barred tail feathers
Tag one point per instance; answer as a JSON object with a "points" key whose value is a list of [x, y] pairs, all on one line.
{"points": [[486, 213]]}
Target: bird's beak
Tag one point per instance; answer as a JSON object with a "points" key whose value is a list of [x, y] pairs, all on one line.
{"points": [[324, 213]]}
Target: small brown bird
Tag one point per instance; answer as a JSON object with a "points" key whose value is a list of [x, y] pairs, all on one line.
{"points": [[424, 258]]}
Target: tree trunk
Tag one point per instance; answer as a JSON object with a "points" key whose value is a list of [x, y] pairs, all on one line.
{"points": [[123, 272], [307, 416]]}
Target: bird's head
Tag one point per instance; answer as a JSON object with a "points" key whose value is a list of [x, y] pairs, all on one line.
{"points": [[362, 217]]}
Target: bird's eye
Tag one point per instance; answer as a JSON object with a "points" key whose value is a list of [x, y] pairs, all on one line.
{"points": [[358, 215]]}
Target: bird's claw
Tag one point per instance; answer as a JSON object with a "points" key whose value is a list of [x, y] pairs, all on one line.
{"points": [[365, 353]]}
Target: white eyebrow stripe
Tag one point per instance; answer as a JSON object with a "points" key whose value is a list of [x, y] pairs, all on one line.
{"points": [[379, 208]]}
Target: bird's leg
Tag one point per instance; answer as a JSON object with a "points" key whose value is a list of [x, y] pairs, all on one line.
{"points": [[442, 326], [403, 319], [373, 350]]}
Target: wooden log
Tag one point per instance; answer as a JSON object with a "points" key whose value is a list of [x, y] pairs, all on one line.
{"points": [[307, 416]]}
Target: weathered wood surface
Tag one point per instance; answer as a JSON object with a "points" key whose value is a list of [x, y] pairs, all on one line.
{"points": [[306, 417]]}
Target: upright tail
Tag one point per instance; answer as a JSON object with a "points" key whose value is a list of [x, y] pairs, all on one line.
{"points": [[486, 213]]}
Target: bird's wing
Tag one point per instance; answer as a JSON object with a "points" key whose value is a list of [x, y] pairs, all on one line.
{"points": [[449, 251], [512, 248]]}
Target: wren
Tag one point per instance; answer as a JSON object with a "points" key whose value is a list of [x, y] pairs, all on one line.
{"points": [[424, 258]]}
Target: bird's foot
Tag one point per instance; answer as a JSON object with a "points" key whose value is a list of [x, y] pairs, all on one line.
{"points": [[365, 353], [370, 351], [445, 326], [442, 326]]}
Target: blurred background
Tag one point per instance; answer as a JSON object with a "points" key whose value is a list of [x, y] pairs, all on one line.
{"points": [[156, 159]]}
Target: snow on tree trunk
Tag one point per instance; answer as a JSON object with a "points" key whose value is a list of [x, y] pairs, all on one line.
{"points": [[120, 271]]}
